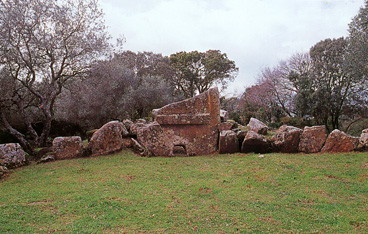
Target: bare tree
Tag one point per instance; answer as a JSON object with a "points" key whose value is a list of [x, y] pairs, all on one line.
{"points": [[43, 45]]}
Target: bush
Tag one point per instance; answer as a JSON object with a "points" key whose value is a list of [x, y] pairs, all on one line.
{"points": [[298, 121]]}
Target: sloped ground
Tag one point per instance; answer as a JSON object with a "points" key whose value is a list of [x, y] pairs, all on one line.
{"points": [[321, 193]]}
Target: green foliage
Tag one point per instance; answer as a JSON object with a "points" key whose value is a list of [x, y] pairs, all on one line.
{"points": [[355, 128], [196, 72], [358, 44], [333, 85], [298, 121], [124, 193]]}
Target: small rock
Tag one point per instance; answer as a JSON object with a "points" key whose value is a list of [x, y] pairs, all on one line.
{"points": [[47, 158], [257, 126], [261, 156], [224, 126], [137, 147]]}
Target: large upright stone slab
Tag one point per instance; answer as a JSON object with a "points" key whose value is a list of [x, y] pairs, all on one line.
{"points": [[191, 125], [228, 143], [67, 147], [312, 139], [254, 142], [108, 139], [339, 141], [287, 139]]}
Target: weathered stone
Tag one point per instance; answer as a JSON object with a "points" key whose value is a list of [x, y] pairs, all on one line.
{"points": [[12, 155], [364, 139], [128, 124], [67, 147], [124, 132], [138, 148], [224, 115], [356, 143], [90, 134], [47, 158], [179, 150], [241, 135], [286, 139], [42, 152], [127, 143], [338, 141], [141, 121], [228, 142], [155, 140], [134, 128], [191, 124], [312, 139], [254, 142], [257, 126], [225, 126], [3, 170], [108, 139]]}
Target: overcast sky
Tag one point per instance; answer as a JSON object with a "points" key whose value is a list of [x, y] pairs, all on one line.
{"points": [[253, 33]]}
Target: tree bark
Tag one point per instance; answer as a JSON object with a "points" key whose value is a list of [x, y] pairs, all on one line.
{"points": [[22, 140]]}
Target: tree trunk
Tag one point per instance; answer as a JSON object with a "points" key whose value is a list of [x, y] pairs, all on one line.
{"points": [[22, 140], [45, 131]]}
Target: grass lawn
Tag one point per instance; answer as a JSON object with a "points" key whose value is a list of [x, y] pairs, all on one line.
{"points": [[124, 193]]}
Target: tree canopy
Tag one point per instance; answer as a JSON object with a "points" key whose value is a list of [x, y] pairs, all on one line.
{"points": [[196, 72], [43, 45]]}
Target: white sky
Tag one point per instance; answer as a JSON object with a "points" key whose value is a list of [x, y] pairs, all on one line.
{"points": [[253, 33]]}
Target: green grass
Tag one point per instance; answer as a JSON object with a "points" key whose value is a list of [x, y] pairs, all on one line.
{"points": [[124, 193]]}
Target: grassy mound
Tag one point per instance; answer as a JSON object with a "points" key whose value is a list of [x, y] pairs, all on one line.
{"points": [[326, 193]]}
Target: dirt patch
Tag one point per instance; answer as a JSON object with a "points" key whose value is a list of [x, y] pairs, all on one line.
{"points": [[129, 178], [205, 190], [37, 203], [269, 220]]}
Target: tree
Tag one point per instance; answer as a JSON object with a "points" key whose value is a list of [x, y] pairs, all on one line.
{"points": [[357, 53], [146, 64], [289, 84], [258, 101], [112, 91], [196, 72], [44, 44], [333, 84]]}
